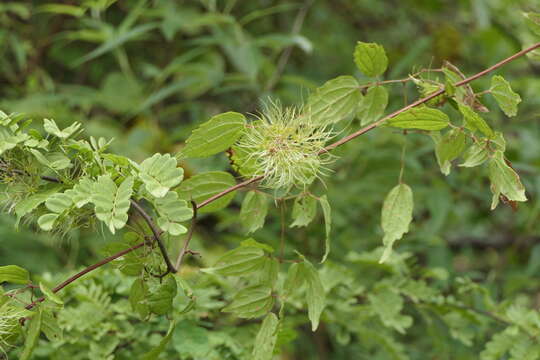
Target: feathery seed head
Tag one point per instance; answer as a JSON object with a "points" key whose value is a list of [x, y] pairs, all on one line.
{"points": [[283, 144]]}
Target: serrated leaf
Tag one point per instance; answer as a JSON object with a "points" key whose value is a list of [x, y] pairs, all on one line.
{"points": [[160, 299], [334, 100], [445, 167], [14, 274], [475, 121], [533, 21], [49, 294], [327, 213], [315, 294], [253, 211], [263, 348], [372, 105], [370, 58], [214, 136], [451, 145], [251, 302], [422, 118], [46, 222], [137, 298], [252, 242], [304, 210], [507, 99], [51, 127], [237, 262], [113, 202], [475, 155], [504, 180], [159, 174], [205, 185], [172, 211], [32, 336], [396, 216]]}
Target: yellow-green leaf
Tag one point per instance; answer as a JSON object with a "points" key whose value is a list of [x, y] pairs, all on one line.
{"points": [[215, 135], [422, 118], [334, 100], [370, 58], [507, 99], [396, 216]]}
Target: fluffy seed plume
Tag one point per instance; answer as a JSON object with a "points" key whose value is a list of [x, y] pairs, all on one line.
{"points": [[283, 144]]}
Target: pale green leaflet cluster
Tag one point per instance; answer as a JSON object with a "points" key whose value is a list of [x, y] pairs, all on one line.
{"points": [[285, 146]]}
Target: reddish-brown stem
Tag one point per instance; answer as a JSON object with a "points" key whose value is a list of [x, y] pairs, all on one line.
{"points": [[86, 271], [185, 248]]}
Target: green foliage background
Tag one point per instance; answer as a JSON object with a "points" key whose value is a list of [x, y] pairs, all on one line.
{"points": [[149, 72]]}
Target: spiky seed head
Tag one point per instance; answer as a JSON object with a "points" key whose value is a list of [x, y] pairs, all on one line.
{"points": [[283, 144]]}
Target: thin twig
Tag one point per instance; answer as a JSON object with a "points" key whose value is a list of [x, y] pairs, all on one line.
{"points": [[156, 232], [87, 270], [189, 235]]}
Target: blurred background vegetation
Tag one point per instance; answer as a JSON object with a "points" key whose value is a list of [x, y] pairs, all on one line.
{"points": [[147, 72]]}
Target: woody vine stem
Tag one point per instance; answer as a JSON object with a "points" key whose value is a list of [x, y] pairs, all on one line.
{"points": [[185, 248]]}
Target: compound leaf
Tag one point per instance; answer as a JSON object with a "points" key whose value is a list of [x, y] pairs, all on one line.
{"points": [[370, 58], [159, 174]]}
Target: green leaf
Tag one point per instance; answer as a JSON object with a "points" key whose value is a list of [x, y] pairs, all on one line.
{"points": [[295, 278], [83, 192], [334, 100], [32, 336], [112, 202], [51, 127], [268, 271], [451, 145], [372, 105], [422, 118], [533, 22], [370, 58], [160, 299], [252, 242], [137, 298], [251, 302], [507, 99], [263, 349], [155, 352], [238, 262], [304, 210], [253, 211], [159, 174], [171, 212], [205, 185], [14, 274], [29, 204], [327, 213], [475, 155], [475, 121], [214, 136], [315, 295], [504, 180], [46, 222], [388, 305], [59, 202], [50, 326], [396, 216], [49, 294]]}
